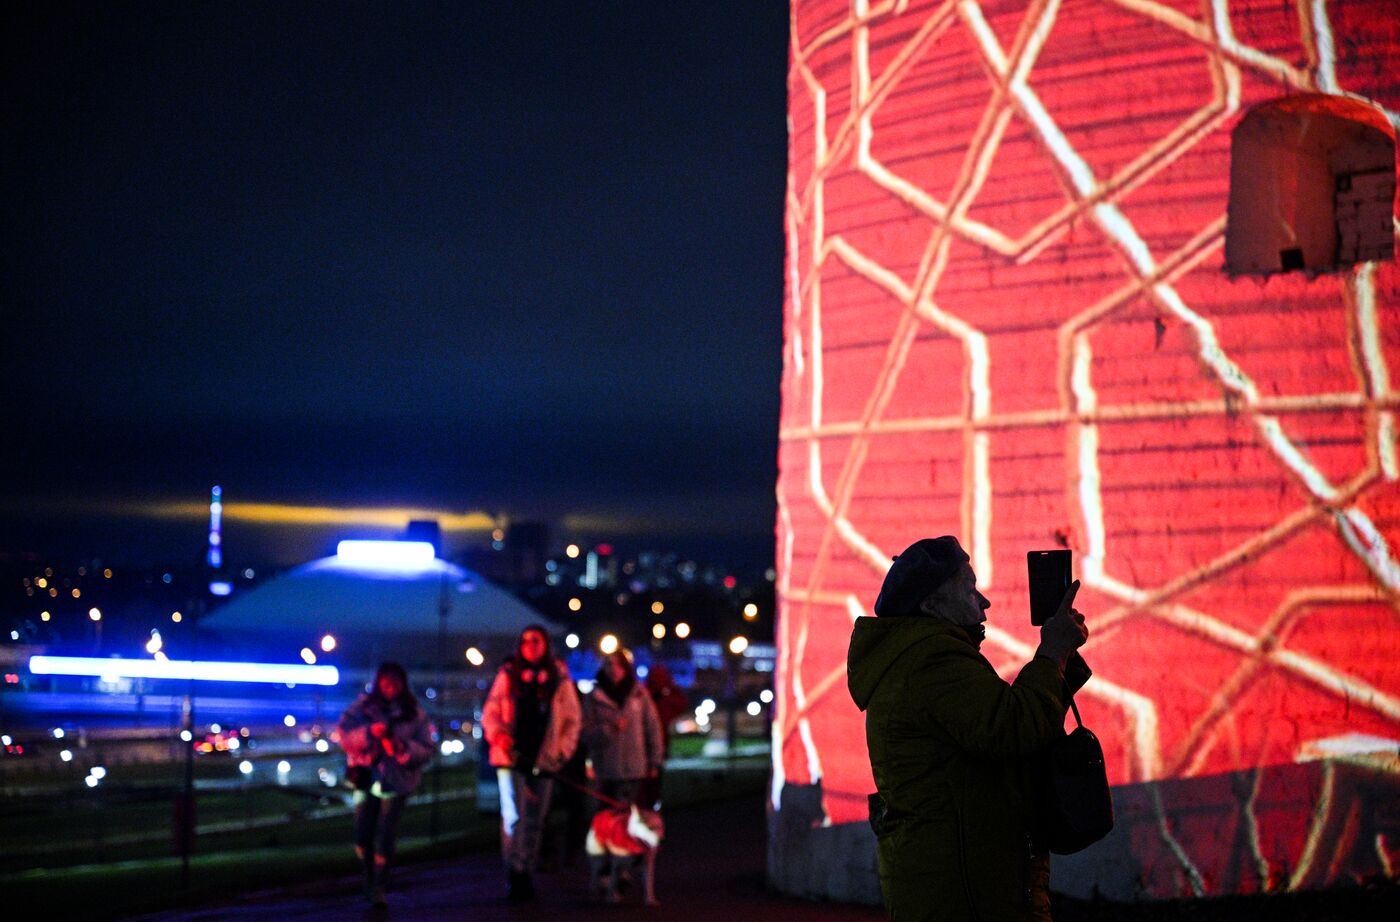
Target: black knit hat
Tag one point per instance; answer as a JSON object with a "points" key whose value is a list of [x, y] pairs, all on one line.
{"points": [[923, 567]]}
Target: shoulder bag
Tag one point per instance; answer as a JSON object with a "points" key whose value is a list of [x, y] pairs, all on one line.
{"points": [[1078, 806]]}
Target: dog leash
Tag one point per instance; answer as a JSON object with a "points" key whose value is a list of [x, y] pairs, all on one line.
{"points": [[616, 804]]}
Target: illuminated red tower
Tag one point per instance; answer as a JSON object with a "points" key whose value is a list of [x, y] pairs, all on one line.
{"points": [[1009, 317]]}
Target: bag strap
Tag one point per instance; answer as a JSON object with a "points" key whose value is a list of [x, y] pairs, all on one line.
{"points": [[1073, 707]]}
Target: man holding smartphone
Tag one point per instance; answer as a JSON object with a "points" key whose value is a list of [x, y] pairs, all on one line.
{"points": [[953, 747]]}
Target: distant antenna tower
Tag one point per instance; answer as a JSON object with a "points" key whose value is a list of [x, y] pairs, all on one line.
{"points": [[216, 537]]}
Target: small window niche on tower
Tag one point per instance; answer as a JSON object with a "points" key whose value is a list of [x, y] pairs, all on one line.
{"points": [[1312, 187]]}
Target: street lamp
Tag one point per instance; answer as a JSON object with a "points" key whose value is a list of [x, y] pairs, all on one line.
{"points": [[737, 646]]}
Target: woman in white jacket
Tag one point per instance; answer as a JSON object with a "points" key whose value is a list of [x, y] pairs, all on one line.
{"points": [[622, 730], [531, 722]]}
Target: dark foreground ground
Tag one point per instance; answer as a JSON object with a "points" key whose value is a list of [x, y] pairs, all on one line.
{"points": [[711, 867]]}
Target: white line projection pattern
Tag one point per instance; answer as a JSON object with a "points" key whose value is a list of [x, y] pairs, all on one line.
{"points": [[849, 62]]}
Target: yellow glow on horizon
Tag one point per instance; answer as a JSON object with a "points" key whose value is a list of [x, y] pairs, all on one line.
{"points": [[288, 514]]}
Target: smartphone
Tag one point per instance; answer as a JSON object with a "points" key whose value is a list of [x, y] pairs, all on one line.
{"points": [[1049, 573]]}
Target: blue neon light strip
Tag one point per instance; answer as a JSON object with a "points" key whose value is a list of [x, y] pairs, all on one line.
{"points": [[273, 673]]}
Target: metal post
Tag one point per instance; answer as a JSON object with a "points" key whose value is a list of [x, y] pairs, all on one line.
{"points": [[184, 808], [101, 819], [444, 608], [731, 703], [185, 805]]}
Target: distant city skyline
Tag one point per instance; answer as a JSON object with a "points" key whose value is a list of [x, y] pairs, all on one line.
{"points": [[269, 534]]}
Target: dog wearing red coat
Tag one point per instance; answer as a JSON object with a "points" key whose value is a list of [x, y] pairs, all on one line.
{"points": [[619, 840]]}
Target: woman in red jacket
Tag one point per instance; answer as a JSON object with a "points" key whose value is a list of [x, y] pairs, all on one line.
{"points": [[531, 722]]}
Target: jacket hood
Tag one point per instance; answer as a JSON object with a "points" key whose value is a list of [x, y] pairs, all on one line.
{"points": [[876, 643]]}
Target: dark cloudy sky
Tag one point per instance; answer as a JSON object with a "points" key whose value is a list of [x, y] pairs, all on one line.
{"points": [[515, 257]]}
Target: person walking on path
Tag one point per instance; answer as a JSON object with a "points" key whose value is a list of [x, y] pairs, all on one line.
{"points": [[531, 723], [671, 703], [622, 730], [565, 847], [953, 747], [387, 739]]}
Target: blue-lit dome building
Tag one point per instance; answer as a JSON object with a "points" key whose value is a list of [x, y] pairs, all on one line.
{"points": [[378, 602]]}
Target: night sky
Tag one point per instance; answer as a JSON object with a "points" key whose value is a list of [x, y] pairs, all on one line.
{"points": [[514, 257]]}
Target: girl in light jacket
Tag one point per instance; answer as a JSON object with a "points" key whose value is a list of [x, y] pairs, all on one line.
{"points": [[531, 722], [622, 730], [387, 739]]}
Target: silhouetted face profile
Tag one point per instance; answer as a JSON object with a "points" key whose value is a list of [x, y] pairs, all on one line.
{"points": [[958, 600], [390, 686], [533, 646]]}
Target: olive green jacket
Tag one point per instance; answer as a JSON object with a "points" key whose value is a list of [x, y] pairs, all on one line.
{"points": [[953, 748]]}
